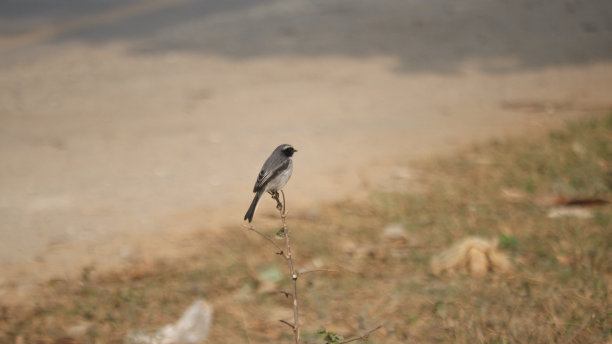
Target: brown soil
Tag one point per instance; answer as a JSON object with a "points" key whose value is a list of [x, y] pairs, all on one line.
{"points": [[126, 130]]}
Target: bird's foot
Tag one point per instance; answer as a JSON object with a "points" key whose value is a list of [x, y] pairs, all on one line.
{"points": [[279, 204]]}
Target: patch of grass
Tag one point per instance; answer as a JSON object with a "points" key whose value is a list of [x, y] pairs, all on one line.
{"points": [[558, 291]]}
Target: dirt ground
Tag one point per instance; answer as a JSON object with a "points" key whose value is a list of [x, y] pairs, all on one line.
{"points": [[125, 128]]}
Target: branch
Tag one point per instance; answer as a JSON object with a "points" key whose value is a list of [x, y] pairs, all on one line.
{"points": [[288, 324], [250, 227], [303, 272], [363, 336], [286, 293]]}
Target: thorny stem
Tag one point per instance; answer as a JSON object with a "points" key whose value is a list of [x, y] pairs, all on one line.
{"points": [[281, 206], [294, 275]]}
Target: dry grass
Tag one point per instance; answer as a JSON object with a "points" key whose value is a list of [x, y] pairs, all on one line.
{"points": [[558, 290]]}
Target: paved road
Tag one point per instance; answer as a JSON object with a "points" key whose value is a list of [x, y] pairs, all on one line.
{"points": [[125, 122]]}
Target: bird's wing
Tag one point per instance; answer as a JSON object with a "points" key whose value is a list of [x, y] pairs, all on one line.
{"points": [[268, 173]]}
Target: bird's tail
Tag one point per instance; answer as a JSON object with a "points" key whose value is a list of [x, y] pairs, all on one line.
{"points": [[249, 214]]}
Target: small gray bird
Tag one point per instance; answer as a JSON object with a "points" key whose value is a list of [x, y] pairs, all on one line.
{"points": [[274, 174]]}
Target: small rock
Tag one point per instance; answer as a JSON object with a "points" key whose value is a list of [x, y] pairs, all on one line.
{"points": [[402, 173], [79, 330], [126, 253], [513, 194], [578, 148], [394, 231], [348, 246]]}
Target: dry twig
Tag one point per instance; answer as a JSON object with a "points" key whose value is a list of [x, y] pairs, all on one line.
{"points": [[363, 336], [250, 227], [294, 276], [303, 272]]}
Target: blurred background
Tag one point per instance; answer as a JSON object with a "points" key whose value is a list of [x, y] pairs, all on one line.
{"points": [[127, 125]]}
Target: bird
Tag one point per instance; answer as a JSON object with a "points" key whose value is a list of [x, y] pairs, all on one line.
{"points": [[274, 174]]}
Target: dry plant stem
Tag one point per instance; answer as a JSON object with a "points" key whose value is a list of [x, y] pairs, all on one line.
{"points": [[363, 336], [286, 323], [304, 272], [280, 250], [294, 276]]}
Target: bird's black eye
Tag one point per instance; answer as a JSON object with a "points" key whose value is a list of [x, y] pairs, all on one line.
{"points": [[289, 151]]}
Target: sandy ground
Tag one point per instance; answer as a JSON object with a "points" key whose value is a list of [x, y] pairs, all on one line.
{"points": [[125, 127]]}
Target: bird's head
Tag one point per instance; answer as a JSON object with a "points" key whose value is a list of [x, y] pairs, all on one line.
{"points": [[287, 149]]}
